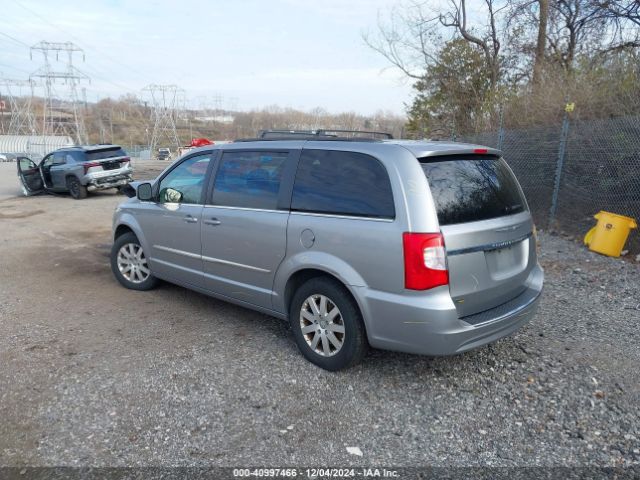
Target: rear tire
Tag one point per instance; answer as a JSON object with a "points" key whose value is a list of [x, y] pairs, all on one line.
{"points": [[327, 325], [76, 189], [130, 265]]}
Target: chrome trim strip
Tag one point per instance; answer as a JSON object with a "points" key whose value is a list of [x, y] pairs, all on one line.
{"points": [[246, 209], [234, 264], [177, 252], [488, 246], [310, 214], [210, 259], [177, 267], [510, 228], [349, 217], [162, 204]]}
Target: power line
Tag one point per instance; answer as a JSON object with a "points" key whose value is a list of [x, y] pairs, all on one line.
{"points": [[98, 75], [95, 73], [66, 32], [14, 68], [15, 39]]}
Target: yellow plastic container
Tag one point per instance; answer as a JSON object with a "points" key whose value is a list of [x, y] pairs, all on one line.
{"points": [[610, 233]]}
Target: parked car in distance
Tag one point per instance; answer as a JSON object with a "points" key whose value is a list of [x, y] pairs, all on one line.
{"points": [[76, 170], [414, 246], [163, 154], [12, 156]]}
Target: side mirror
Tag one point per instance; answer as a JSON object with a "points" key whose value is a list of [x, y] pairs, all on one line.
{"points": [[144, 192]]}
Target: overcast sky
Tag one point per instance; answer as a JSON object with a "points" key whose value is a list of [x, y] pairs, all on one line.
{"points": [[293, 53]]}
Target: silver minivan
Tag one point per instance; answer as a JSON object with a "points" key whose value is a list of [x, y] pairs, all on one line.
{"points": [[414, 246]]}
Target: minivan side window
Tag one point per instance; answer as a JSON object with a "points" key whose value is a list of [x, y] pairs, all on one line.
{"points": [[184, 183], [249, 179], [342, 183]]}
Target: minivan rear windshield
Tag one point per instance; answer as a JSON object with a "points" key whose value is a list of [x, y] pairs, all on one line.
{"points": [[105, 153], [471, 188]]}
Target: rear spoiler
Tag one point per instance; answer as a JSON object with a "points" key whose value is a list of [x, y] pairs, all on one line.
{"points": [[471, 150]]}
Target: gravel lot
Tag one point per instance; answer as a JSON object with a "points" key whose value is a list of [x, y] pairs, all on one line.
{"points": [[93, 374]]}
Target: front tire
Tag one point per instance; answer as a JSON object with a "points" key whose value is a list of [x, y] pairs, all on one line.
{"points": [[76, 189], [130, 265], [327, 325]]}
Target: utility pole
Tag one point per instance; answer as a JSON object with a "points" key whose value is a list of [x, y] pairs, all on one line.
{"points": [[61, 119], [164, 100]]}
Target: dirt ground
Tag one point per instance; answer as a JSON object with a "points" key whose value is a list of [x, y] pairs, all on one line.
{"points": [[94, 374]]}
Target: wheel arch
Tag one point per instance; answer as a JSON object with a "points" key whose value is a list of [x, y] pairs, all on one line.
{"points": [[125, 223], [70, 175], [299, 277], [121, 230]]}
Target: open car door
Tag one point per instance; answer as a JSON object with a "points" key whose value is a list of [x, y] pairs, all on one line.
{"points": [[30, 177]]}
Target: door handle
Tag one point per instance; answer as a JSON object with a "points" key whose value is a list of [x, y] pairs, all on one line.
{"points": [[190, 219], [212, 221]]}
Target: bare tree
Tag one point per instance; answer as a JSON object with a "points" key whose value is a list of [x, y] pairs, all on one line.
{"points": [[407, 40], [591, 28], [411, 39], [458, 18], [541, 43]]}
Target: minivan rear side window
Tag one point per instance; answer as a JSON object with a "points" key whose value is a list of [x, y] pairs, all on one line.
{"points": [[249, 179], [342, 183], [472, 188]]}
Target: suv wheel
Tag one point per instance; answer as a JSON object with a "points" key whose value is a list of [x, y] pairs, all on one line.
{"points": [[76, 189], [129, 264], [327, 325]]}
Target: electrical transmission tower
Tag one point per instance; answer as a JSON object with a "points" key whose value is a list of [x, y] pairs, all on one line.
{"points": [[61, 115], [217, 103], [22, 121], [164, 99]]}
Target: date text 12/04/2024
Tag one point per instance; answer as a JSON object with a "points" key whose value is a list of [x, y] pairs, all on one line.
{"points": [[316, 472]]}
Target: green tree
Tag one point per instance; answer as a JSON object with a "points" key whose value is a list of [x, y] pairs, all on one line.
{"points": [[453, 95]]}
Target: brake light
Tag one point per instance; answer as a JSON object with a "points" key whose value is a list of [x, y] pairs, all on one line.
{"points": [[425, 261], [88, 165], [480, 150]]}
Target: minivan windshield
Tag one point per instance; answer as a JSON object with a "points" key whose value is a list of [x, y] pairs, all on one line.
{"points": [[472, 188]]}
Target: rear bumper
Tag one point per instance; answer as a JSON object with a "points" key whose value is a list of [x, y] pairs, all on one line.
{"points": [[108, 179], [428, 323]]}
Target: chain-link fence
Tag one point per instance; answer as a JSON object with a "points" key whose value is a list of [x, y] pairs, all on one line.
{"points": [[572, 170], [140, 152]]}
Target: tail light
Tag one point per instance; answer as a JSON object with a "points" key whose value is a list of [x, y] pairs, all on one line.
{"points": [[425, 261], [88, 165]]}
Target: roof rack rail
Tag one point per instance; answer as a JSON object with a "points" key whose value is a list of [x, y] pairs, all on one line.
{"points": [[373, 134], [322, 133]]}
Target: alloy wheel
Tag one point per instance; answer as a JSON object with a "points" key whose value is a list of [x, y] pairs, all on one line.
{"points": [[322, 325], [74, 189], [132, 263]]}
